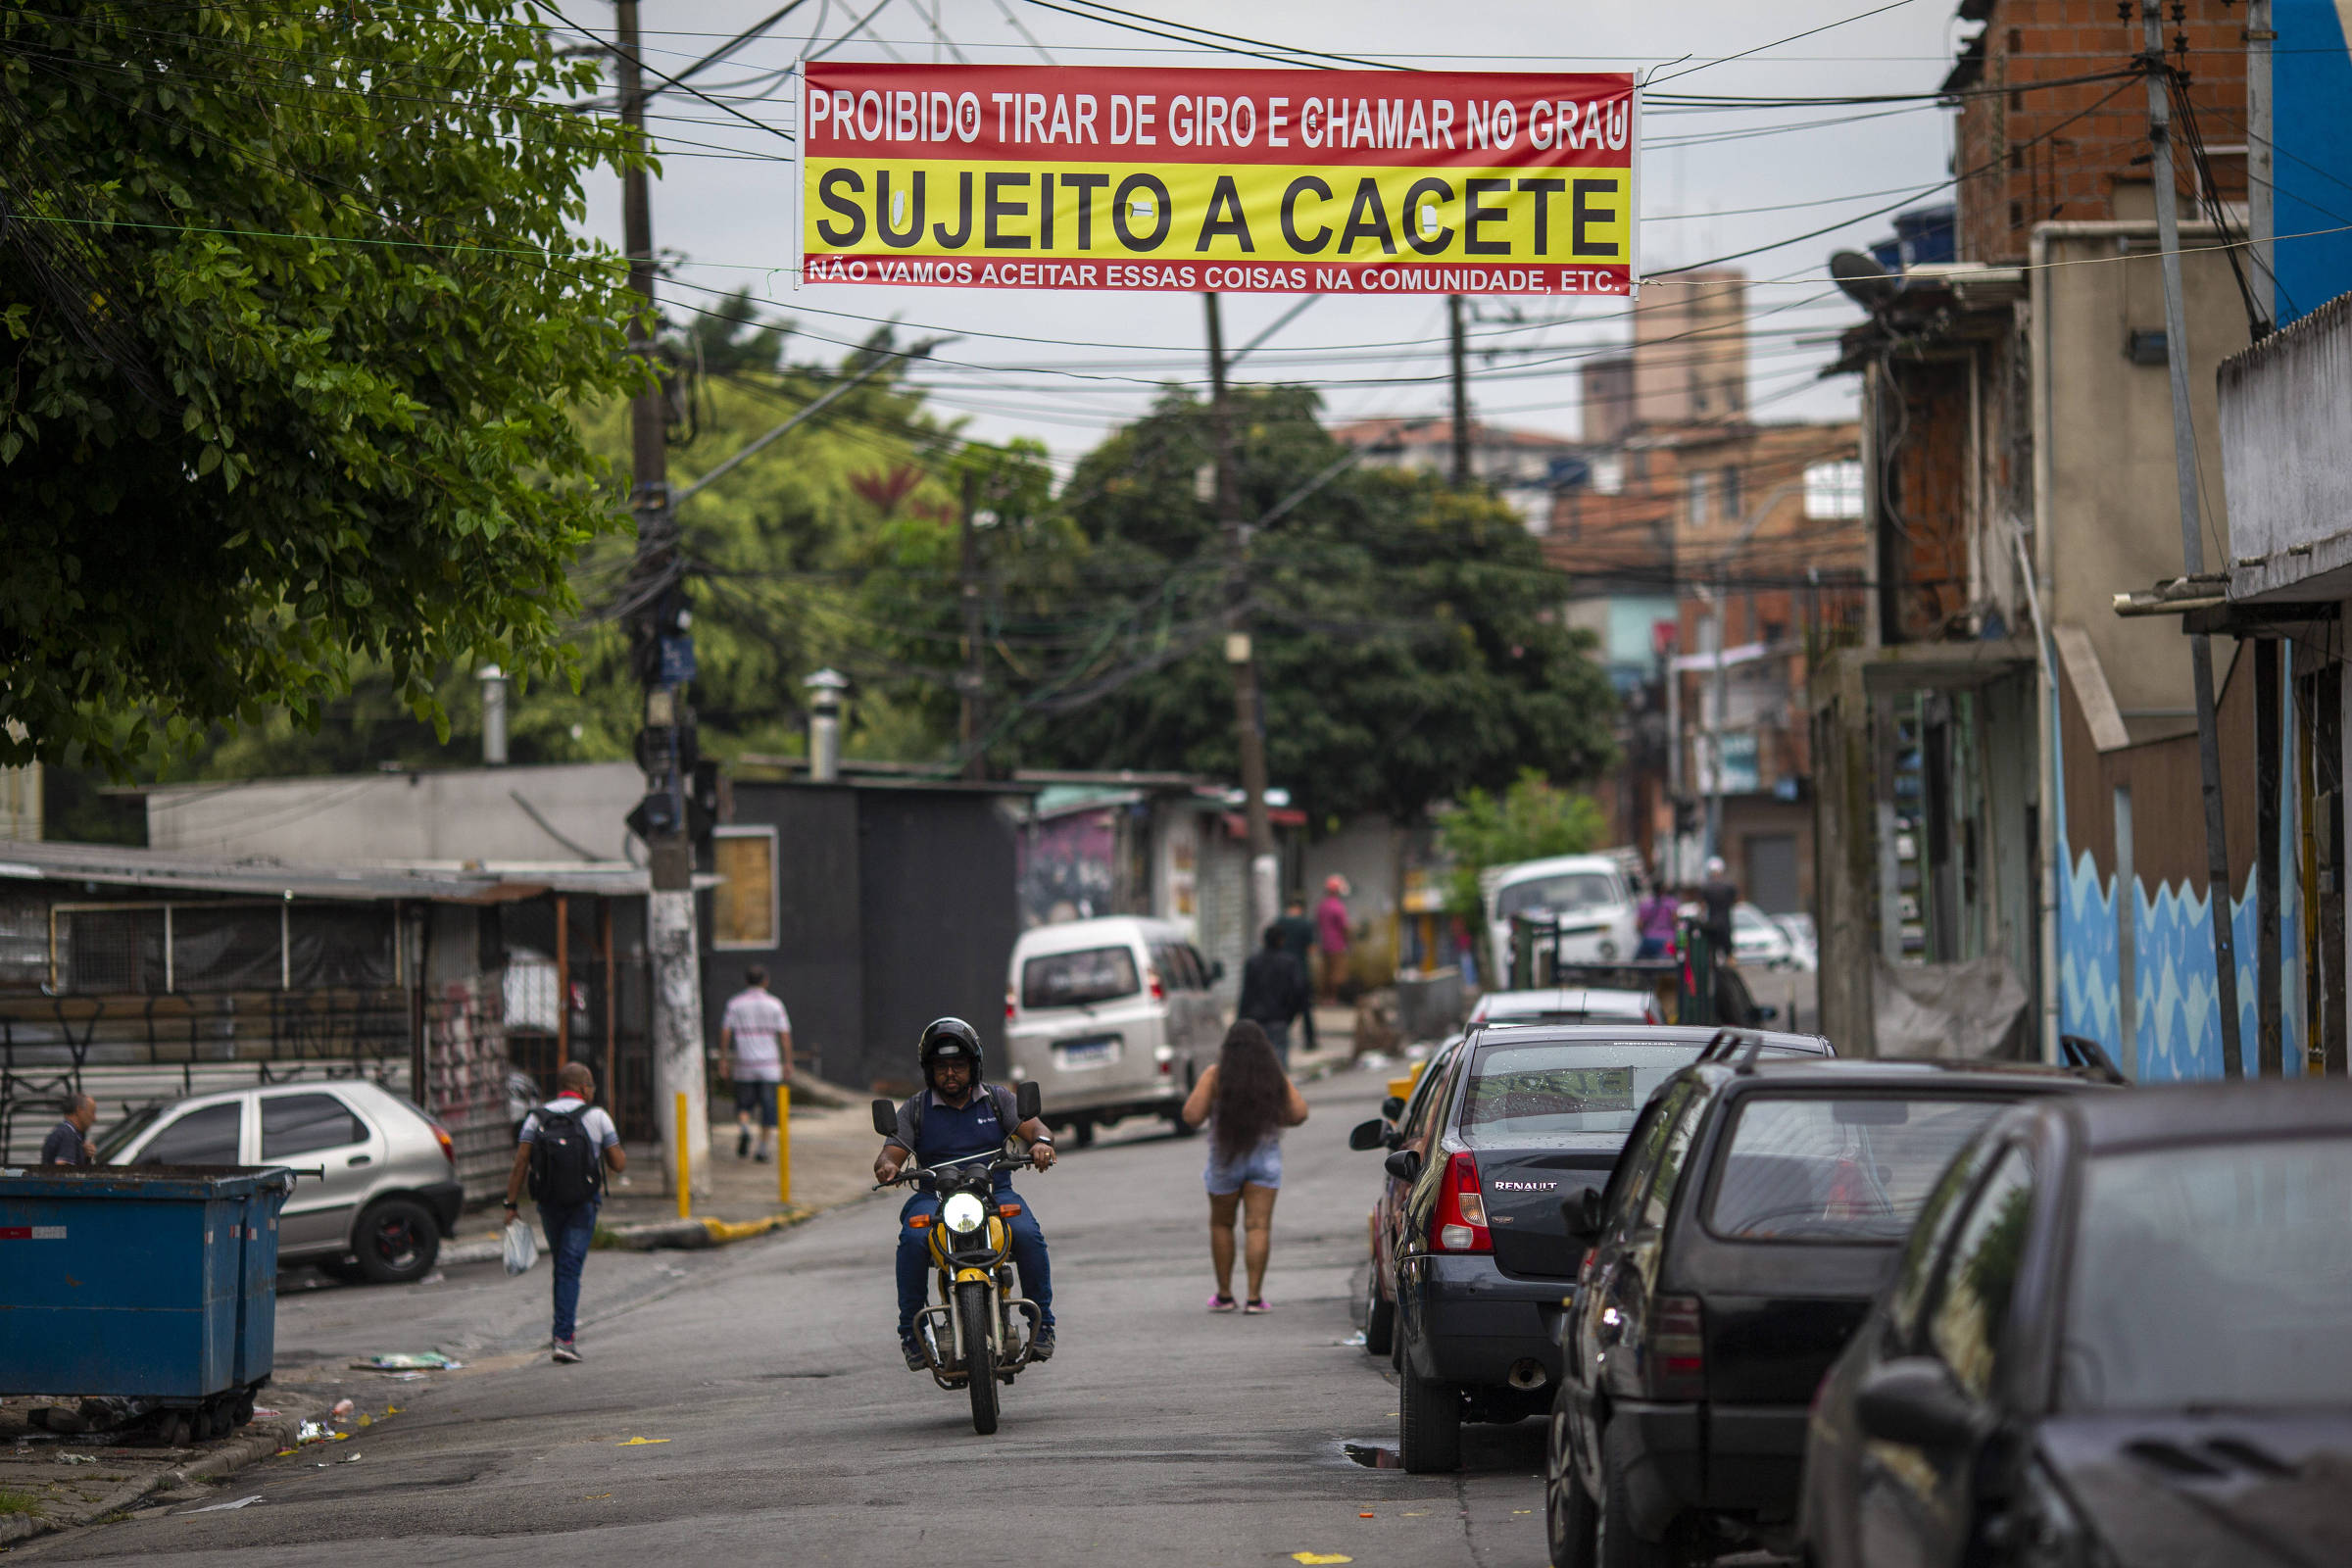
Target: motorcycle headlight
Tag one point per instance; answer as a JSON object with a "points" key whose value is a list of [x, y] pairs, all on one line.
{"points": [[964, 1214]]}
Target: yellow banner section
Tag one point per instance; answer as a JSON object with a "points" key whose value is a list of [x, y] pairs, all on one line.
{"points": [[1210, 212]]}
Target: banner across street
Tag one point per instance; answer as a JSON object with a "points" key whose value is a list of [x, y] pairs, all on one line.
{"points": [[1238, 181]]}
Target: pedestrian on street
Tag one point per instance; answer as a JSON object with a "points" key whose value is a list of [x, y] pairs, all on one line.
{"points": [[69, 1142], [1332, 928], [1656, 919], [1297, 930], [1247, 1099], [754, 1052], [1274, 991], [1718, 893], [566, 1146]]}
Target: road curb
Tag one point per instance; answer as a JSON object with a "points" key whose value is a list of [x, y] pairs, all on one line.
{"points": [[693, 1235], [258, 1440]]}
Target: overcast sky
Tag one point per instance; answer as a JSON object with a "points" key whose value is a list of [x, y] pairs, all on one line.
{"points": [[1712, 183]]}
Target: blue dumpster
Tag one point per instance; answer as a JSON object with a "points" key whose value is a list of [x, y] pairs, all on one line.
{"points": [[153, 1283]]}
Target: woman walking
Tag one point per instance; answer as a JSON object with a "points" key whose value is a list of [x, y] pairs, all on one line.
{"points": [[1248, 1100]]}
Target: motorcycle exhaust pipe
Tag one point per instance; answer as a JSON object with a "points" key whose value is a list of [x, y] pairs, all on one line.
{"points": [[1528, 1374]]}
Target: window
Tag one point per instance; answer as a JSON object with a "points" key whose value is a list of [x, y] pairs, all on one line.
{"points": [[1972, 1314], [1833, 491], [1568, 893], [1701, 496], [1540, 1090], [1730, 480], [1079, 979], [1658, 1201], [296, 1124], [1845, 1168], [744, 910], [1936, 1217], [206, 1137]]}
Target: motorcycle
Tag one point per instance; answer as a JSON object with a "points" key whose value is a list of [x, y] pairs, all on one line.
{"points": [[979, 1334]]}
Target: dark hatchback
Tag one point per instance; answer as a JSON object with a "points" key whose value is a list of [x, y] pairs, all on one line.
{"points": [[2121, 1333], [1760, 1207], [1475, 1250]]}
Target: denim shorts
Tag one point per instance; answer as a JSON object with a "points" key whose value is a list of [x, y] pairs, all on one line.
{"points": [[1260, 1167]]}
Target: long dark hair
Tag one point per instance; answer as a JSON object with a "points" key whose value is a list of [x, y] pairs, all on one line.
{"points": [[1252, 1092]]}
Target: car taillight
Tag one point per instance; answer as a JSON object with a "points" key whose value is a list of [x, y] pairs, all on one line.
{"points": [[1013, 1006], [1459, 1224], [449, 1151], [1159, 993], [1677, 1349]]}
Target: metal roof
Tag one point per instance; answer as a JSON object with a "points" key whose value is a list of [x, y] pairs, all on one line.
{"points": [[264, 876]]}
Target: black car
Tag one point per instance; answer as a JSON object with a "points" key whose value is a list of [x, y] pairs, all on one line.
{"points": [[2122, 1333], [1479, 1260], [1760, 1207]]}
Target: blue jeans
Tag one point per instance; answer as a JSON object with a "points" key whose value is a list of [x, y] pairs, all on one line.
{"points": [[568, 1233], [915, 1257]]}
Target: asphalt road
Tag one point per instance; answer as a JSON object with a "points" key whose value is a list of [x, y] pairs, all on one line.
{"points": [[788, 1429]]}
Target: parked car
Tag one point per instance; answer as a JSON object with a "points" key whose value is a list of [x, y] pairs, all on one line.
{"points": [[1758, 941], [386, 1190], [2121, 1334], [1112, 1018], [1760, 1207], [1587, 893], [1805, 939], [1470, 1242], [1566, 1004]]}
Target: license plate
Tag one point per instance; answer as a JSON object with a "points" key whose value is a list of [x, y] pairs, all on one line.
{"points": [[1078, 1053]]}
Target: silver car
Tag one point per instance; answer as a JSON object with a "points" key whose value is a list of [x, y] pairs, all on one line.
{"points": [[386, 1189]]}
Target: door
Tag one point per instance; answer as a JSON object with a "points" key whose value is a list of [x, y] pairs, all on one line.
{"points": [[1917, 1507], [1772, 872], [314, 1129], [209, 1135]]}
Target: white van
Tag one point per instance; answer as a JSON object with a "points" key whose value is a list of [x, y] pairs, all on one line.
{"points": [[1588, 893], [1111, 1018]]}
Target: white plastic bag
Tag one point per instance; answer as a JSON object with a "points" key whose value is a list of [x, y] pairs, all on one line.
{"points": [[522, 1247]]}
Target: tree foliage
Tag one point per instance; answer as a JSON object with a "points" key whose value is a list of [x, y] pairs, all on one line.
{"points": [[291, 315], [1532, 819], [1408, 637]]}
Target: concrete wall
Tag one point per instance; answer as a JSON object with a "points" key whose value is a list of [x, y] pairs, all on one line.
{"points": [[2286, 428], [2110, 518], [465, 815]]}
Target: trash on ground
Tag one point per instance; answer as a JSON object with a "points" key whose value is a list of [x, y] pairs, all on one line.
{"points": [[1354, 1342], [77, 1458], [357, 1458], [636, 1443], [221, 1507], [319, 1432], [408, 1362], [406, 1377], [436, 1277], [263, 1413], [342, 1410], [1320, 1556]]}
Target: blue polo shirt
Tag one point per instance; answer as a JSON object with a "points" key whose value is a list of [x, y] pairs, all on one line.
{"points": [[949, 1132]]}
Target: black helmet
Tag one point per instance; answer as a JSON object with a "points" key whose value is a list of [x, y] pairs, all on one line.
{"points": [[950, 1040]]}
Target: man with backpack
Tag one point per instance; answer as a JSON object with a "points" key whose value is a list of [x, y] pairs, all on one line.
{"points": [[567, 1146]]}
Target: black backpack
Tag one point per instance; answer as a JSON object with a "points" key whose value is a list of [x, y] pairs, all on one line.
{"points": [[567, 1166]]}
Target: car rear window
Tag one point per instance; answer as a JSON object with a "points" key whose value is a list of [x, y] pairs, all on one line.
{"points": [[1079, 979], [1564, 893], [1540, 1089], [1837, 1168]]}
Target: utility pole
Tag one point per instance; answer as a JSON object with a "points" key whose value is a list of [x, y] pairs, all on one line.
{"points": [[665, 663], [2192, 547], [2261, 156], [1461, 396], [968, 722], [1718, 708], [1240, 657]]}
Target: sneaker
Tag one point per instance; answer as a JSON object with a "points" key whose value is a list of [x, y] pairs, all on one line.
{"points": [[1223, 1304], [760, 1159], [743, 1142], [1258, 1303], [565, 1350], [916, 1361], [1040, 1347]]}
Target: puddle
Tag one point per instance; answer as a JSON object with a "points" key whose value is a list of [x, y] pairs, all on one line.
{"points": [[1372, 1456]]}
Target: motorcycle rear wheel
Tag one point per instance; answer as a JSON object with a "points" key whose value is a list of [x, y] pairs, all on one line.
{"points": [[976, 1309]]}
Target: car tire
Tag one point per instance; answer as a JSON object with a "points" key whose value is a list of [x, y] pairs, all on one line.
{"points": [[1614, 1544], [1429, 1425], [396, 1241], [1571, 1519], [1380, 1314]]}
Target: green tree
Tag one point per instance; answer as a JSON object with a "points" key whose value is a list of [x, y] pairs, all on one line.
{"points": [[1408, 637], [1529, 821], [292, 310]]}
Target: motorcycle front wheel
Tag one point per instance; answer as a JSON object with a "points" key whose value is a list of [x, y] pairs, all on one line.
{"points": [[976, 1311]]}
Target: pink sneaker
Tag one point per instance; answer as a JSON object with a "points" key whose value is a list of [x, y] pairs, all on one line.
{"points": [[1222, 1303], [1258, 1303]]}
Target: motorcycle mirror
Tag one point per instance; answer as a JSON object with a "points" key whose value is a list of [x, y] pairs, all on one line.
{"points": [[1029, 1099], [886, 1118]]}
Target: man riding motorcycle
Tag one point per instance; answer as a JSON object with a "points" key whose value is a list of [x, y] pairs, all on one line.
{"points": [[956, 1115]]}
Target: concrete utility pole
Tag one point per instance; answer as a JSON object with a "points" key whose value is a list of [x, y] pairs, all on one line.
{"points": [[2261, 157], [1250, 736], [2192, 547], [1462, 395], [968, 683], [1719, 703], [664, 664]]}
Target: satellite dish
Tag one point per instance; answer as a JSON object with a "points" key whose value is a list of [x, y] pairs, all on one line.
{"points": [[1865, 281]]}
